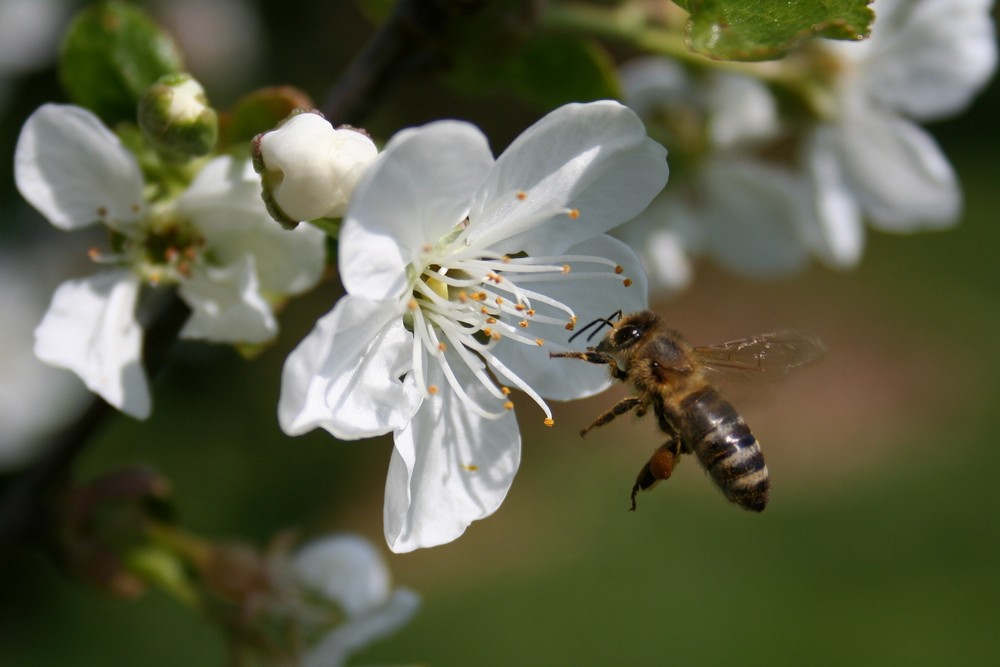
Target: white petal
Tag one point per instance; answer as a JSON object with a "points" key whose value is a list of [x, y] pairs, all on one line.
{"points": [[740, 109], [900, 177], [346, 569], [449, 466], [666, 235], [928, 58], [590, 299], [753, 216], [224, 203], [358, 632], [414, 193], [91, 329], [345, 375], [838, 235], [75, 171], [226, 305], [594, 157], [651, 83]]}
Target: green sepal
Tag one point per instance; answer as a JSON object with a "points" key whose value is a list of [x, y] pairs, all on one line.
{"points": [[111, 54]]}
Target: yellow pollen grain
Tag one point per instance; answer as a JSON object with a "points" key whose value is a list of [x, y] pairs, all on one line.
{"points": [[519, 307], [491, 320], [432, 389], [505, 391], [627, 282], [498, 301], [549, 421], [479, 296], [531, 312], [487, 331], [573, 213], [412, 304], [523, 324], [565, 268], [484, 310], [522, 195], [509, 405]]}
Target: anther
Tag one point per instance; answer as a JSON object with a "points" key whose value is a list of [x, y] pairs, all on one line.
{"points": [[549, 421]]}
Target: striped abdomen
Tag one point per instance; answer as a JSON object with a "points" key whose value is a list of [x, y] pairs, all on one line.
{"points": [[716, 433]]}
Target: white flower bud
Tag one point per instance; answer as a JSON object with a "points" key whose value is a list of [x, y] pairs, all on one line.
{"points": [[309, 169], [176, 119]]}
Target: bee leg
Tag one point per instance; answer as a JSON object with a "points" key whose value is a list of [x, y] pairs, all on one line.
{"points": [[659, 467], [621, 407]]}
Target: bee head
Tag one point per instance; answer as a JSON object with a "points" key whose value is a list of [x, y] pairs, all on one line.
{"points": [[628, 331]]}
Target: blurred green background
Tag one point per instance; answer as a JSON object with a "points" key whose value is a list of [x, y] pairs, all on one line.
{"points": [[881, 544]]}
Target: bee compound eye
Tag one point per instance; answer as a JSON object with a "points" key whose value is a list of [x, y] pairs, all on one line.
{"points": [[627, 335]]}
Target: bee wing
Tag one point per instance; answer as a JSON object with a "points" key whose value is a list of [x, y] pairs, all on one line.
{"points": [[767, 356]]}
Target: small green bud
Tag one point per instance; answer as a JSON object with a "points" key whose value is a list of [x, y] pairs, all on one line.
{"points": [[176, 119]]}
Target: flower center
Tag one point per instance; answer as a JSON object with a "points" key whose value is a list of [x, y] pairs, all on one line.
{"points": [[164, 253], [464, 303]]}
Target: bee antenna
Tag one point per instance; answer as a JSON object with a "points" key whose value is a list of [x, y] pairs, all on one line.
{"points": [[601, 321]]}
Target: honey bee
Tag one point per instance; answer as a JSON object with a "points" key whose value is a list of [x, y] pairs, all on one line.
{"points": [[671, 377]]}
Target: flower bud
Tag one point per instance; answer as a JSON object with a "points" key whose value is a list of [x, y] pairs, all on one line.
{"points": [[176, 119], [309, 169]]}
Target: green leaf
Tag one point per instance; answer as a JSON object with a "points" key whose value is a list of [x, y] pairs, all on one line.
{"points": [[545, 71], [111, 54], [766, 29]]}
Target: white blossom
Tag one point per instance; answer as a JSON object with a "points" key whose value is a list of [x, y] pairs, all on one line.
{"points": [[347, 571], [871, 161], [215, 241], [763, 193], [462, 272]]}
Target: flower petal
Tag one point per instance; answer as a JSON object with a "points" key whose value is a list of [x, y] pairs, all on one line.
{"points": [[590, 299], [346, 569], [224, 203], [449, 466], [345, 375], [902, 180], [595, 158], [754, 216], [91, 329], [358, 632], [414, 193], [226, 305], [928, 58], [75, 171], [838, 237]]}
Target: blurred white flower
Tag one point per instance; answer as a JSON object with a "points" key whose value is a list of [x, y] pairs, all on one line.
{"points": [[762, 193], [347, 571], [729, 200], [310, 169], [216, 242], [924, 61], [458, 268]]}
